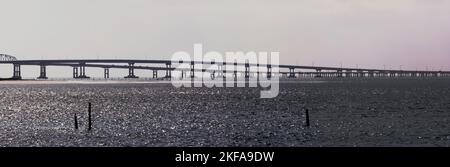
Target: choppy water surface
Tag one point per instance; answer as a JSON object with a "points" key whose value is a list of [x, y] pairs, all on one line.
{"points": [[343, 113]]}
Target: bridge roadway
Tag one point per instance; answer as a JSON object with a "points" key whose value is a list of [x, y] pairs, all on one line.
{"points": [[246, 69]]}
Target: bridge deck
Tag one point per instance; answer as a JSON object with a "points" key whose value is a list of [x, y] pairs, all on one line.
{"points": [[74, 62], [79, 66]]}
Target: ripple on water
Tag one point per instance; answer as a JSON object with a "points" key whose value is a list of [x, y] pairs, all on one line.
{"points": [[376, 113]]}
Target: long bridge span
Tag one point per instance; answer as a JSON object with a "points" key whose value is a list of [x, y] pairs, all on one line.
{"points": [[246, 70]]}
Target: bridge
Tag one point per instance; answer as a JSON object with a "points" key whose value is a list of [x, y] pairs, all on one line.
{"points": [[246, 70]]}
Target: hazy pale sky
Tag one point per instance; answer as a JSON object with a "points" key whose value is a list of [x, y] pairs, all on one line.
{"points": [[370, 33]]}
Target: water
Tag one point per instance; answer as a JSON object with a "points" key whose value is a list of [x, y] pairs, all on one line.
{"points": [[378, 112]]}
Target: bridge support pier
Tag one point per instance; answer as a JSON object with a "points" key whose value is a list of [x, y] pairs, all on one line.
{"points": [[192, 69], [348, 73], [43, 72], [213, 75], [220, 70], [224, 72], [131, 71], [168, 70], [318, 73], [291, 72], [339, 73], [247, 70], [235, 74], [75, 72], [360, 73], [106, 73], [435, 74], [16, 71], [258, 74], [371, 74], [155, 73], [81, 74], [269, 71]]}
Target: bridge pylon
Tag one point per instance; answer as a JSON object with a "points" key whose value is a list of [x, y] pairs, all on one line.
{"points": [[106, 73], [16, 72], [131, 71], [79, 72], [43, 72]]}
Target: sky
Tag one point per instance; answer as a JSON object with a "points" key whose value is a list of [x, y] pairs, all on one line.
{"points": [[413, 34]]}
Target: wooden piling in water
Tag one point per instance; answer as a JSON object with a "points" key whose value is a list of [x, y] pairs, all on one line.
{"points": [[89, 117], [75, 121], [307, 117]]}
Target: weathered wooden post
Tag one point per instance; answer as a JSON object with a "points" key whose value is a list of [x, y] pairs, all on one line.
{"points": [[89, 117], [307, 116], [75, 121]]}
